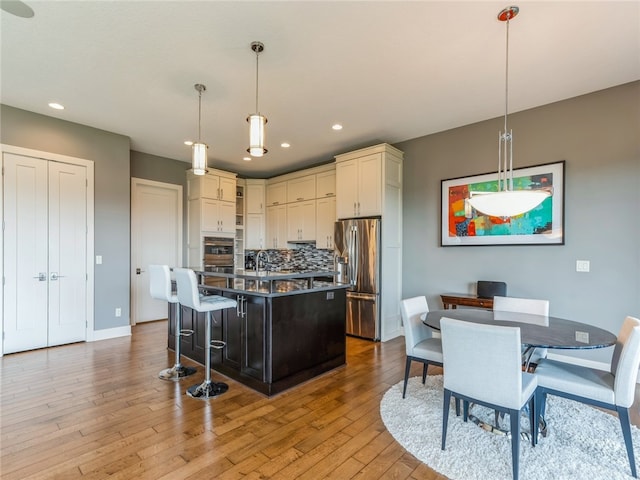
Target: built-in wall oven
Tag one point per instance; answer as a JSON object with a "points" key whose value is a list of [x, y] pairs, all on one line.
{"points": [[218, 257]]}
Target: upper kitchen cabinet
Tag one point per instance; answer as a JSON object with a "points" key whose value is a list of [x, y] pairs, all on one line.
{"points": [[362, 178], [215, 184], [256, 214], [255, 196], [276, 227], [325, 222], [276, 193], [326, 184], [300, 189], [301, 221]]}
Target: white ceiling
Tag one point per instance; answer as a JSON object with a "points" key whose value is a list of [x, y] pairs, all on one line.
{"points": [[388, 71]]}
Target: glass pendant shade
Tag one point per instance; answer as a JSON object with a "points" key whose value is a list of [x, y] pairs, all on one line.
{"points": [[256, 135], [199, 164], [508, 203]]}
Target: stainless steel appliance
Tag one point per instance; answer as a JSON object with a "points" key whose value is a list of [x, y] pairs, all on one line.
{"points": [[218, 257], [358, 261]]}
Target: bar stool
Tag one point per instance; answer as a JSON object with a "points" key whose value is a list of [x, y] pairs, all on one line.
{"points": [[160, 286], [189, 296]]}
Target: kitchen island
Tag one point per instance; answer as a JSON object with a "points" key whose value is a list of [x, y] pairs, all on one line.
{"points": [[288, 327]]}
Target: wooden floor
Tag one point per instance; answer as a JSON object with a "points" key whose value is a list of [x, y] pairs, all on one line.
{"points": [[98, 410]]}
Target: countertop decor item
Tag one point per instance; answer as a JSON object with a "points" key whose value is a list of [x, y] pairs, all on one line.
{"points": [[507, 201], [572, 449]]}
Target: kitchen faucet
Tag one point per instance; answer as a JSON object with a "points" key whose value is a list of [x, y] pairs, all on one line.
{"points": [[266, 259]]}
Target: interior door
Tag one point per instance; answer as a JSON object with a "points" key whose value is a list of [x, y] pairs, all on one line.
{"points": [[67, 253], [45, 253], [25, 253], [156, 238]]}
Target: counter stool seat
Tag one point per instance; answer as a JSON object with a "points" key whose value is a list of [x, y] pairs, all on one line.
{"points": [[189, 296], [160, 289]]}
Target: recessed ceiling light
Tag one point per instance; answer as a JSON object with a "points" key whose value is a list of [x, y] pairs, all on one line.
{"points": [[246, 159], [188, 142], [57, 106], [337, 126], [285, 145]]}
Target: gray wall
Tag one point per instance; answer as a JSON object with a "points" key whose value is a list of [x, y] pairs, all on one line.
{"points": [[110, 154], [166, 170], [599, 137]]}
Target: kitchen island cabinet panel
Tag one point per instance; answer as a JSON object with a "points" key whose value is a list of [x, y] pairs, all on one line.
{"points": [[307, 330], [273, 342]]}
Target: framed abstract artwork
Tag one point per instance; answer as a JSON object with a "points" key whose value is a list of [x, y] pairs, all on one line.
{"points": [[462, 225]]}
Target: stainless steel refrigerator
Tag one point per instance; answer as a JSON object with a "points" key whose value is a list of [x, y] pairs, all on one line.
{"points": [[358, 261]]}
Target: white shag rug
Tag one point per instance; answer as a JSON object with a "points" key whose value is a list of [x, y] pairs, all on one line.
{"points": [[582, 442]]}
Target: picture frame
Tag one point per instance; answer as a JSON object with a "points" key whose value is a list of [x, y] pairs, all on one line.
{"points": [[461, 225]]}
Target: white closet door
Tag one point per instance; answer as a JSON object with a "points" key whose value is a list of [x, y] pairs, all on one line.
{"points": [[67, 253], [45, 253], [25, 253]]}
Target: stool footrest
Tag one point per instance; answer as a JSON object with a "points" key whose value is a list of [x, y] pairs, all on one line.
{"points": [[218, 344], [185, 333]]}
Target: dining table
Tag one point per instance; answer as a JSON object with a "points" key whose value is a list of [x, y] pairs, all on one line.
{"points": [[536, 331]]}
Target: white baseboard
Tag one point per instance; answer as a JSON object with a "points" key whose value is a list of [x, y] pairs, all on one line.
{"points": [[108, 333]]}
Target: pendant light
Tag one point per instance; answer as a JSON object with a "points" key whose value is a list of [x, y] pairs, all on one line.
{"points": [[506, 202], [199, 162], [256, 121]]}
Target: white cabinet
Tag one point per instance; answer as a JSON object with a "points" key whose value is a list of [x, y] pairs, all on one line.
{"points": [[300, 189], [276, 193], [255, 239], [211, 210], [326, 184], [255, 196], [276, 227], [301, 221], [325, 222], [211, 217], [255, 214], [215, 184], [359, 186]]}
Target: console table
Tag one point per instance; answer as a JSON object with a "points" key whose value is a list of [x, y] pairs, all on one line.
{"points": [[452, 300]]}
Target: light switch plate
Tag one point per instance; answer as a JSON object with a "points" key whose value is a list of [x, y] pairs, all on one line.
{"points": [[582, 265], [98, 259]]}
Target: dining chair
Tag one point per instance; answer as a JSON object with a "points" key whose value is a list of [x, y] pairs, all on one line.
{"points": [[612, 390], [420, 345], [540, 311], [493, 378]]}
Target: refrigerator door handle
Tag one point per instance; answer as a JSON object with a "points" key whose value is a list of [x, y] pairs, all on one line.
{"points": [[372, 297], [356, 254]]}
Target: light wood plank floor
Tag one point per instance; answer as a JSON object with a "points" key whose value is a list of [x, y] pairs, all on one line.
{"points": [[98, 410]]}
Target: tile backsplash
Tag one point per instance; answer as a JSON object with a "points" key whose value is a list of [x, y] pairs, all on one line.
{"points": [[305, 257]]}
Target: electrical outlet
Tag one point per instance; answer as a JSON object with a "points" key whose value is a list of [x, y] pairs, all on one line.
{"points": [[98, 259], [582, 265], [582, 337], [118, 312]]}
